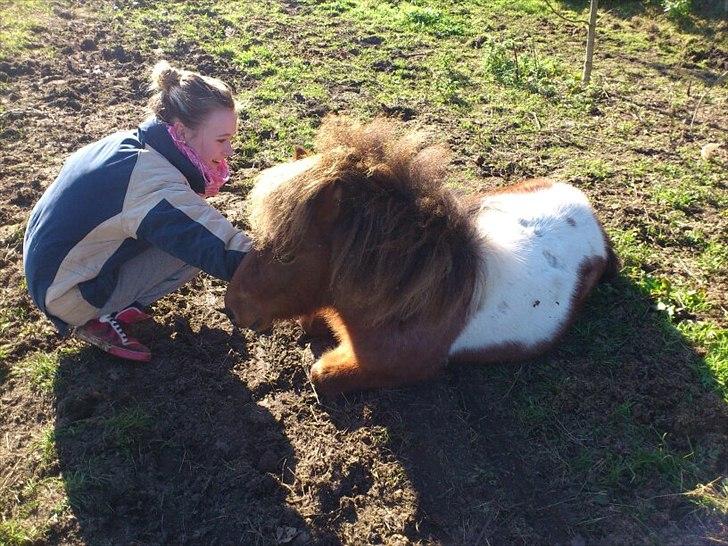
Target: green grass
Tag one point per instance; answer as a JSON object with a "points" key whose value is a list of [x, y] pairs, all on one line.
{"points": [[19, 19], [516, 64], [10, 316], [714, 340], [14, 532], [37, 507], [714, 259], [40, 370], [713, 496], [127, 428], [79, 485], [677, 9], [45, 446], [679, 300]]}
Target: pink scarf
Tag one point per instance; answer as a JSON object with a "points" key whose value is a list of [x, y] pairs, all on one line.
{"points": [[214, 178]]}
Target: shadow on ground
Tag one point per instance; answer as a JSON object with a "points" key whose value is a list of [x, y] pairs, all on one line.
{"points": [[175, 451], [595, 443], [715, 10]]}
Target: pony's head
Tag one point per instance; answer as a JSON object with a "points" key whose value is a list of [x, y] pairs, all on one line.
{"points": [[365, 223]]}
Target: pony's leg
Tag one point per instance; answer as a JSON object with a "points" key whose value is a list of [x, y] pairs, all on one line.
{"points": [[368, 358], [315, 325], [339, 371]]}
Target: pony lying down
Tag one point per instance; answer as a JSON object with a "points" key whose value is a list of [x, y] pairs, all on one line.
{"points": [[407, 276]]}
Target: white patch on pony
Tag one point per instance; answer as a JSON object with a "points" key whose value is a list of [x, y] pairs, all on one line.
{"points": [[533, 245], [270, 179]]}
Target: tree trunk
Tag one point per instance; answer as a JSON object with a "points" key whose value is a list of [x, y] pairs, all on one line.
{"points": [[592, 30]]}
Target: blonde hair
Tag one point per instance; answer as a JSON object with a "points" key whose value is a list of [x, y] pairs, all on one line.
{"points": [[181, 95]]}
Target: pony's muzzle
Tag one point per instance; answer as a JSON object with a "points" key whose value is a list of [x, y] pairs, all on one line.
{"points": [[257, 325], [229, 314], [261, 327]]}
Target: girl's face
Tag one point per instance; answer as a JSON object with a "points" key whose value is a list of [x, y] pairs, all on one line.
{"points": [[211, 139]]}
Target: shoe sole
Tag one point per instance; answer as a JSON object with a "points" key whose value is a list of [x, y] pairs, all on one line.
{"points": [[126, 354], [129, 355]]}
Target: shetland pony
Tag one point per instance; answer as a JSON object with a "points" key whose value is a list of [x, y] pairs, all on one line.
{"points": [[364, 236]]}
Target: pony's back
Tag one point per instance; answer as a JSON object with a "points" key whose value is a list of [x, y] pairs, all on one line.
{"points": [[543, 250]]}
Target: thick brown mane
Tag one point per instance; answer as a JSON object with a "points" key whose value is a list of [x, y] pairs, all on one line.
{"points": [[403, 246]]}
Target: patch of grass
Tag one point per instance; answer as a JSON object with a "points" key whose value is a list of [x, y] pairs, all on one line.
{"points": [[380, 435], [714, 340], [40, 369], [590, 169], [714, 259], [516, 64], [429, 19], [713, 495], [682, 197], [673, 298], [18, 20], [15, 532], [10, 316], [677, 9], [644, 454], [36, 506], [78, 484], [633, 252], [127, 427], [679, 302], [532, 412], [686, 185], [643, 463], [450, 82], [45, 446]]}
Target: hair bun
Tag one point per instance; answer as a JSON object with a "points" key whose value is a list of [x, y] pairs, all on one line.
{"points": [[165, 76]]}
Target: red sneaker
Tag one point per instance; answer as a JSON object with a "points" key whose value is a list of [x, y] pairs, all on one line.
{"points": [[131, 315], [107, 334]]}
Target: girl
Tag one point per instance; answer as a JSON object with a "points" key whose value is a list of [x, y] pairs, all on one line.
{"points": [[126, 222]]}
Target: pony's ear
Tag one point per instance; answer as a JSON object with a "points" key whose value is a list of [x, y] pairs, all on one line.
{"points": [[299, 152], [329, 204]]}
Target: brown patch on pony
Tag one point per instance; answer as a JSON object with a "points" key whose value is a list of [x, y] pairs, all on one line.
{"points": [[503, 352], [525, 186], [299, 152], [402, 245], [614, 264]]}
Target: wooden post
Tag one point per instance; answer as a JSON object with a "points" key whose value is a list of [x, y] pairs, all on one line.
{"points": [[591, 32]]}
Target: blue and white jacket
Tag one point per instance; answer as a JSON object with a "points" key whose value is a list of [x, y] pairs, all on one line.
{"points": [[112, 200]]}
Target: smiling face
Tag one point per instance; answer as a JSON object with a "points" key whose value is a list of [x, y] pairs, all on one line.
{"points": [[211, 139]]}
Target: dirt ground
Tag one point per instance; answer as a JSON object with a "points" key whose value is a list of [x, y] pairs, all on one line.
{"points": [[221, 440]]}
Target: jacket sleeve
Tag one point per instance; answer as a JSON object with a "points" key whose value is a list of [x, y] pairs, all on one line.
{"points": [[183, 224]]}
